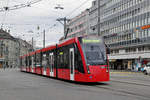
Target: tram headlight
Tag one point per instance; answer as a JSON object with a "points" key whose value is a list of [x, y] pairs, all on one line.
{"points": [[107, 69], [88, 70]]}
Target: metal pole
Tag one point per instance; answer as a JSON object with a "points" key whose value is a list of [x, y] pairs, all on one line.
{"points": [[65, 25], [98, 25], [32, 44], [19, 54], [44, 39]]}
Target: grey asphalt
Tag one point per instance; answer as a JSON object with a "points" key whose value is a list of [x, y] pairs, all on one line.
{"points": [[16, 85]]}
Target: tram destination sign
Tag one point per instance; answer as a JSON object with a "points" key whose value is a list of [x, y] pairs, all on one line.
{"points": [[91, 41]]}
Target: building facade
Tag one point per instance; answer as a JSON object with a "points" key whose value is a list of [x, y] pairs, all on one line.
{"points": [[8, 50], [11, 49], [93, 18], [25, 47], [125, 26]]}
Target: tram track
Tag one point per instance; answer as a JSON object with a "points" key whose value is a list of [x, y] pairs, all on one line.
{"points": [[133, 78], [110, 87], [119, 89], [103, 86], [106, 86], [123, 91], [133, 83]]}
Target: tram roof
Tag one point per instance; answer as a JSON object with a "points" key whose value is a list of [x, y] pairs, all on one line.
{"points": [[32, 53], [67, 42], [49, 48]]}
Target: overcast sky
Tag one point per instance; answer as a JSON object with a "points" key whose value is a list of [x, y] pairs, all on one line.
{"points": [[24, 22]]}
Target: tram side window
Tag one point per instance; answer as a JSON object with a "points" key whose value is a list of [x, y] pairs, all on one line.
{"points": [[66, 57], [21, 62], [78, 60], [38, 60], [60, 58], [34, 60], [51, 61], [30, 61], [26, 61], [55, 59], [63, 58], [47, 59], [44, 60]]}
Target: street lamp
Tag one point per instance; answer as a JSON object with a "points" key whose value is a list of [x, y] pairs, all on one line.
{"points": [[64, 21], [59, 7], [43, 38]]}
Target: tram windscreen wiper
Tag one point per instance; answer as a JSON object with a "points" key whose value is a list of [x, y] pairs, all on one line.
{"points": [[97, 63]]}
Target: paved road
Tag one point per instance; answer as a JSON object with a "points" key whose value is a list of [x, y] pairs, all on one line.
{"points": [[16, 85]]}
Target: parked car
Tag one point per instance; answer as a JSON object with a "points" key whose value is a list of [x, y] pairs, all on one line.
{"points": [[147, 69]]}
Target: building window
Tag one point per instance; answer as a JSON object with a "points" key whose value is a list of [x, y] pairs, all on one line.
{"points": [[149, 32]]}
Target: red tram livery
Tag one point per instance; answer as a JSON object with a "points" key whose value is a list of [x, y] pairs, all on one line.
{"points": [[81, 59]]}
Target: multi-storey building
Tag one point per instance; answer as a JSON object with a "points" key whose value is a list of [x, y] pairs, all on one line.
{"points": [[11, 48], [25, 47], [125, 26], [93, 18], [8, 49]]}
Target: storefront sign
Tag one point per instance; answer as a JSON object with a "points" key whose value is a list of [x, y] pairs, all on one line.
{"points": [[145, 27], [112, 60]]}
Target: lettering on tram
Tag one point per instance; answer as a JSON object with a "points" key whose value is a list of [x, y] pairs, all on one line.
{"points": [[80, 59]]}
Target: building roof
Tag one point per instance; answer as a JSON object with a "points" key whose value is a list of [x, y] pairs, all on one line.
{"points": [[5, 35]]}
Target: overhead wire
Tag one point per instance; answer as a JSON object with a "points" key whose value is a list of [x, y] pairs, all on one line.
{"points": [[3, 9], [5, 15], [70, 13], [19, 6], [86, 1]]}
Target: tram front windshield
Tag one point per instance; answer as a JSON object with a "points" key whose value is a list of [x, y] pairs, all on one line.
{"points": [[94, 51]]}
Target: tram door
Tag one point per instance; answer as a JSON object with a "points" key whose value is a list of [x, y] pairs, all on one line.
{"points": [[32, 59], [44, 64], [71, 63], [51, 64]]}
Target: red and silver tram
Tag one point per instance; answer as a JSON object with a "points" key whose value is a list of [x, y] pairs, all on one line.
{"points": [[81, 59]]}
